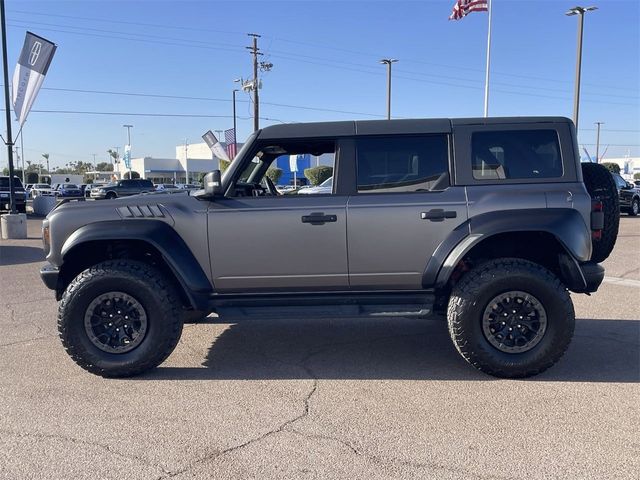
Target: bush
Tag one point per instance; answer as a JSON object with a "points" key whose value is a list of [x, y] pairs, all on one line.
{"points": [[636, 176], [317, 175], [612, 167], [224, 165], [274, 173]]}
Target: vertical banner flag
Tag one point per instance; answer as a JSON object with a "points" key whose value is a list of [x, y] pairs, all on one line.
{"points": [[216, 147], [462, 8], [230, 140], [293, 163], [127, 156], [29, 74]]}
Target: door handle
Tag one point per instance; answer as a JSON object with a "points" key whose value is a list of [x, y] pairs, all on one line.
{"points": [[319, 218], [438, 215]]}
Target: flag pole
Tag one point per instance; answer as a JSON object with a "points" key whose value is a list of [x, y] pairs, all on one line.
{"points": [[486, 78]]}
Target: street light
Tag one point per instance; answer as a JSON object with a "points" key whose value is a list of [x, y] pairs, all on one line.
{"points": [[388, 62], [234, 114], [576, 99]]}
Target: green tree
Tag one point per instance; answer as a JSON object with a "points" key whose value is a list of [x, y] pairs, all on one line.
{"points": [[104, 167], [317, 175], [636, 176], [134, 175], [274, 173], [612, 167], [46, 157], [115, 155], [224, 165]]}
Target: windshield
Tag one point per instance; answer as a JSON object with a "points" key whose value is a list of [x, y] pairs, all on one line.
{"points": [[69, 185], [327, 183], [41, 185], [4, 182]]}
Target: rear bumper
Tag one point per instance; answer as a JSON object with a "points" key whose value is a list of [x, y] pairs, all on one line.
{"points": [[49, 275], [593, 274]]}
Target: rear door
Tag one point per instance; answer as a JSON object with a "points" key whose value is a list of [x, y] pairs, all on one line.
{"points": [[403, 208]]}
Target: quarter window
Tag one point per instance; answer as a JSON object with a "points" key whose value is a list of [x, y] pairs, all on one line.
{"points": [[516, 154], [402, 164]]}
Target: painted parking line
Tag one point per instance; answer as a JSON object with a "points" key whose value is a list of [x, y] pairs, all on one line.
{"points": [[624, 282]]}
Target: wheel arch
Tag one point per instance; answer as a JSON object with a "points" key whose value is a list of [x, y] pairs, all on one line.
{"points": [[151, 241], [555, 238]]}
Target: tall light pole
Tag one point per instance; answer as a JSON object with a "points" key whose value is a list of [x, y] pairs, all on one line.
{"points": [[7, 108], [598, 141], [388, 62], [234, 114], [576, 99], [128, 127]]}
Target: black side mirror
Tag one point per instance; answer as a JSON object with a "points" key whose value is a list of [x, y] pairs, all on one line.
{"points": [[213, 184]]}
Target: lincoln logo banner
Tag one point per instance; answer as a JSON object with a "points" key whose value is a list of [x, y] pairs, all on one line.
{"points": [[29, 74]]}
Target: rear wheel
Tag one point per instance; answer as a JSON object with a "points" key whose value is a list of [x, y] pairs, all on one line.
{"points": [[119, 318], [635, 207], [602, 187], [510, 318]]}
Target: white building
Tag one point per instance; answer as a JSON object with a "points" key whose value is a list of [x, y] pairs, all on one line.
{"points": [[192, 160], [629, 166]]}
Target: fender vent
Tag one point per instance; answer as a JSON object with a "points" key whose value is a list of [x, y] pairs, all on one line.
{"points": [[140, 211]]}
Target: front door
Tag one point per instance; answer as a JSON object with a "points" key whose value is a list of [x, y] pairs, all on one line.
{"points": [[286, 243]]}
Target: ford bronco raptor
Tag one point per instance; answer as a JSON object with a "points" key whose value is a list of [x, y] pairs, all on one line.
{"points": [[491, 222]]}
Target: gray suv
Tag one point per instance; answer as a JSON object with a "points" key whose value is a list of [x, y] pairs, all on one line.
{"points": [[489, 222]]}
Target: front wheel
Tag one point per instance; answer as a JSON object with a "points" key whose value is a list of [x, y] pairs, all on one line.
{"points": [[635, 208], [119, 318], [510, 318], [111, 195]]}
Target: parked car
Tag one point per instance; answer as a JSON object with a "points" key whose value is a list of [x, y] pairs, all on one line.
{"points": [[39, 189], [122, 188], [27, 189], [68, 190], [18, 190], [325, 187], [285, 188], [167, 186], [486, 237], [188, 186], [628, 194]]}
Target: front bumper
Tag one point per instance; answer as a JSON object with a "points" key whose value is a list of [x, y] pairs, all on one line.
{"points": [[49, 275], [98, 195]]}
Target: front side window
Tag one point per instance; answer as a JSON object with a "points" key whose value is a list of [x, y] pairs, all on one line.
{"points": [[402, 164], [516, 154]]}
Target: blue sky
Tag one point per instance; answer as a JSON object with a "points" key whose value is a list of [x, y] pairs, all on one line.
{"points": [[325, 57]]}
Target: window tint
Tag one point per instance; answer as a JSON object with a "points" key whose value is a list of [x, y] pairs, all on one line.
{"points": [[145, 183], [515, 154], [402, 164], [620, 181]]}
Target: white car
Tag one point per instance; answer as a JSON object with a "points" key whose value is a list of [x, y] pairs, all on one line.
{"points": [[324, 187], [39, 189]]}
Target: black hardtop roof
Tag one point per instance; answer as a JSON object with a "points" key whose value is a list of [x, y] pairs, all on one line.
{"points": [[382, 127]]}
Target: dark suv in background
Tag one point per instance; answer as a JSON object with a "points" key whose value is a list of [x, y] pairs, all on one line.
{"points": [[122, 188], [21, 195], [629, 195]]}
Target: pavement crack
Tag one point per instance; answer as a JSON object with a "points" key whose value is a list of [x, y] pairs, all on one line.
{"points": [[78, 441], [27, 340]]}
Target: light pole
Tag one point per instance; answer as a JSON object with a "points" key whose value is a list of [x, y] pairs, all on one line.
{"points": [[129, 127], [388, 62], [598, 141], [576, 99], [234, 114]]}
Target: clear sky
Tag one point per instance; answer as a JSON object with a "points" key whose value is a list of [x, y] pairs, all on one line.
{"points": [[325, 56]]}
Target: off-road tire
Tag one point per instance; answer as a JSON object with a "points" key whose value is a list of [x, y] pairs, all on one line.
{"points": [[150, 288], [601, 186], [480, 286], [635, 208]]}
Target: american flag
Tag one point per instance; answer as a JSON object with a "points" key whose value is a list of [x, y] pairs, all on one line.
{"points": [[464, 7], [230, 140]]}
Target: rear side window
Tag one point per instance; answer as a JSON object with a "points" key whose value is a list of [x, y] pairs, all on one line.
{"points": [[402, 164], [145, 183], [516, 154]]}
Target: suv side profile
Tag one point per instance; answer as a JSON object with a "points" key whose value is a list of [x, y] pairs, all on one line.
{"points": [[629, 196], [122, 188], [487, 221]]}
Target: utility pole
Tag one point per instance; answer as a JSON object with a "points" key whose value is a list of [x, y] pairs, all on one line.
{"points": [[7, 110], [234, 116], [598, 141], [186, 161], [255, 51], [576, 99], [388, 62]]}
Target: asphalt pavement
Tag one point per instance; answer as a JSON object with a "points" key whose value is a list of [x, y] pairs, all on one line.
{"points": [[341, 398]]}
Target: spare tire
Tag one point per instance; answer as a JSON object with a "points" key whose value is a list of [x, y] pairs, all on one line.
{"points": [[602, 187]]}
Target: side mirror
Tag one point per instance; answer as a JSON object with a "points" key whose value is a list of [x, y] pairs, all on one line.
{"points": [[213, 184]]}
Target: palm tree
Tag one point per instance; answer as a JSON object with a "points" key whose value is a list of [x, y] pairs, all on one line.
{"points": [[46, 157], [114, 155]]}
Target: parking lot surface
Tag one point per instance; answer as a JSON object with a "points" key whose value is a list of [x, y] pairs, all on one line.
{"points": [[340, 398]]}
